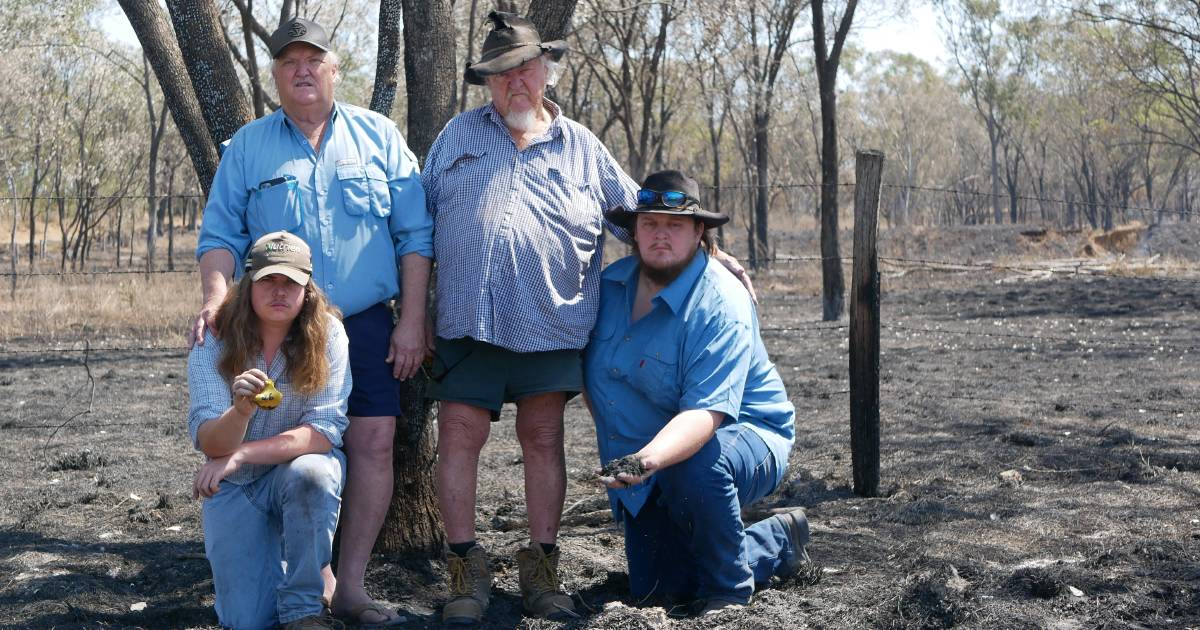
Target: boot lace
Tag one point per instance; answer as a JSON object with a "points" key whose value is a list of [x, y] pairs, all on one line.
{"points": [[459, 586], [543, 577]]}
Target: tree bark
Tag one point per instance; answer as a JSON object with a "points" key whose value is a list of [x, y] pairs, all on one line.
{"points": [[387, 57], [552, 17], [429, 70], [150, 23], [833, 286], [413, 524], [210, 66]]}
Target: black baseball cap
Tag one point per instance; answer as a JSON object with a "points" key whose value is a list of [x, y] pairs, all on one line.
{"points": [[298, 30]]}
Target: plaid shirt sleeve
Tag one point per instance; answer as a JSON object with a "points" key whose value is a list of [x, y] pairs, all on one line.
{"points": [[326, 410], [209, 393], [618, 190]]}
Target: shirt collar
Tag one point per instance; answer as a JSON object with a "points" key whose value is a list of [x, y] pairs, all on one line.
{"points": [[674, 294], [333, 115]]}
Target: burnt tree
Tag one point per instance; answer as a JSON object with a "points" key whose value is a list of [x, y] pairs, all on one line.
{"points": [[833, 286], [151, 24], [209, 62]]}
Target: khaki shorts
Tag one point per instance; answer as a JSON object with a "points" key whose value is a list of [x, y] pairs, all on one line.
{"points": [[487, 376]]}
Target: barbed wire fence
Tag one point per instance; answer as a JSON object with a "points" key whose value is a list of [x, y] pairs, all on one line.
{"points": [[12, 356]]}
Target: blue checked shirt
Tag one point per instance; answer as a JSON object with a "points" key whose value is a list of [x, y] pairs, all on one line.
{"points": [[698, 348], [519, 235], [358, 203], [324, 411]]}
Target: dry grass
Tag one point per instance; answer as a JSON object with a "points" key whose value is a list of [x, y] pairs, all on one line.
{"points": [[105, 310], [124, 310]]}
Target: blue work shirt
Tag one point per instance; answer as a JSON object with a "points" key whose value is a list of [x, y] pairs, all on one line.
{"points": [[520, 234], [358, 202], [699, 347]]}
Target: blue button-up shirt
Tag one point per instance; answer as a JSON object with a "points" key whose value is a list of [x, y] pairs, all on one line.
{"points": [[324, 411], [519, 235], [358, 202], [699, 347]]}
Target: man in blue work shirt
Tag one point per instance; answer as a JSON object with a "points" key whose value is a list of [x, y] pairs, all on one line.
{"points": [[341, 178], [677, 377]]}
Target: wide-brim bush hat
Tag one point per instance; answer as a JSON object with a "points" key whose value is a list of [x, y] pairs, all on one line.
{"points": [[513, 41], [668, 192]]}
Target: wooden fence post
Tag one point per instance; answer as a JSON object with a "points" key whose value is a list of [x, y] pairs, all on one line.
{"points": [[864, 326]]}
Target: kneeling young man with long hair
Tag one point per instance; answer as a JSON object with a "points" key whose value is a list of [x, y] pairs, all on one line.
{"points": [[274, 473]]}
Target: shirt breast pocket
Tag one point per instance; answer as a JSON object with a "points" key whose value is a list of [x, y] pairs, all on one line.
{"points": [[461, 182], [275, 208], [656, 376], [364, 190]]}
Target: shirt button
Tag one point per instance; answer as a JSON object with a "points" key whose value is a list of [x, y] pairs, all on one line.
{"points": [[627, 338], [610, 403], [329, 285], [615, 371]]}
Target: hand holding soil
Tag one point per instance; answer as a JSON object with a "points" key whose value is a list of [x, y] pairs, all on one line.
{"points": [[630, 466]]}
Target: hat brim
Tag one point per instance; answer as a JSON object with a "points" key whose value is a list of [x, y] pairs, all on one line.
{"points": [[625, 218], [303, 39], [297, 276], [477, 73]]}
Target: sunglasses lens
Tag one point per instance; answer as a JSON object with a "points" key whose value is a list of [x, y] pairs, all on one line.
{"points": [[673, 199], [647, 197]]}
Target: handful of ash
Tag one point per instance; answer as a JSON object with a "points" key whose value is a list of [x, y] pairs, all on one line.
{"points": [[629, 465]]}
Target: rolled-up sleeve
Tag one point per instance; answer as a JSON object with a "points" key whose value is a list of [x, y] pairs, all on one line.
{"points": [[410, 222], [224, 223], [717, 363], [209, 393], [326, 410]]}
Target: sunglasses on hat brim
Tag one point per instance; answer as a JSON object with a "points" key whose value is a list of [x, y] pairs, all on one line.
{"points": [[666, 198]]}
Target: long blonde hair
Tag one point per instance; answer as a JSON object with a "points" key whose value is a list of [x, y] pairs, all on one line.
{"points": [[304, 348]]}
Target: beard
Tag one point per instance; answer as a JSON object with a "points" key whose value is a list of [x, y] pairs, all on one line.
{"points": [[520, 121], [663, 275]]}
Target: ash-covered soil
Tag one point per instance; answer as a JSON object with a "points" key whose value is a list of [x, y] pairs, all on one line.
{"points": [[1040, 468]]}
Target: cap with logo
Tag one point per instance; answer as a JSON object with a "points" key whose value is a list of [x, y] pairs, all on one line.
{"points": [[298, 30], [282, 253]]}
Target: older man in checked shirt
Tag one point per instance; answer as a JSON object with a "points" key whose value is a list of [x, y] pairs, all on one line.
{"points": [[518, 193]]}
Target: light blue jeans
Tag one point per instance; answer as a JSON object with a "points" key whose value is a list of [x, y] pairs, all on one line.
{"points": [[267, 541], [688, 541]]}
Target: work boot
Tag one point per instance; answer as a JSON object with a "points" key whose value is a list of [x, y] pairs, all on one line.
{"points": [[540, 593], [796, 524], [470, 587]]}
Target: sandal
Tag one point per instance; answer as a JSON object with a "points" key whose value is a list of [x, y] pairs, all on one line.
{"points": [[355, 616]]}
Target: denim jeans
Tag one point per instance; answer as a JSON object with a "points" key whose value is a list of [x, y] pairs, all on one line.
{"points": [[267, 541], [688, 541]]}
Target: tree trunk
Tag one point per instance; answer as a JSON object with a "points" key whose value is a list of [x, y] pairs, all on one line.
{"points": [[149, 22], [413, 524], [760, 259], [462, 100], [833, 286], [552, 17], [210, 66], [387, 57], [429, 70]]}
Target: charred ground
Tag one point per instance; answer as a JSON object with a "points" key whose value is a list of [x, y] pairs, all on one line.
{"points": [[1085, 386]]}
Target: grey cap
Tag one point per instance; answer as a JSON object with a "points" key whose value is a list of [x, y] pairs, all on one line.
{"points": [[298, 30]]}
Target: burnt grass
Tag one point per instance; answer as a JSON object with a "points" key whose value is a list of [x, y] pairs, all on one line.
{"points": [[1085, 386]]}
